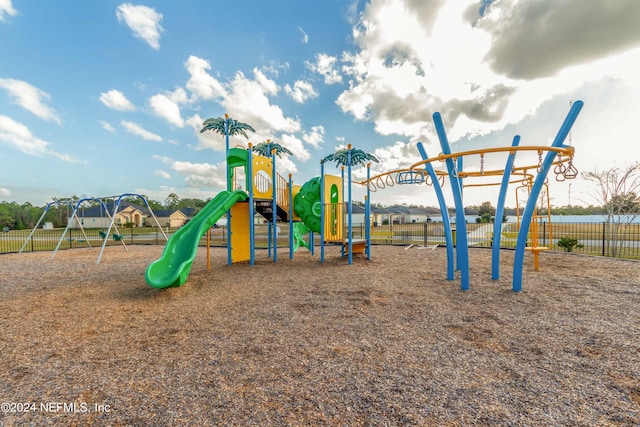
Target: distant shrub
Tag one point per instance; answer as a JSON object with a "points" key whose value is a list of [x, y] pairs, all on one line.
{"points": [[568, 244]]}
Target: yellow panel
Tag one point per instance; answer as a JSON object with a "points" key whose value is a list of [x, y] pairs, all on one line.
{"points": [[296, 190], [240, 237], [334, 218], [262, 168], [330, 180]]}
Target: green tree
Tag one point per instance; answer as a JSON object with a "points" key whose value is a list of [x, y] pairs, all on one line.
{"points": [[172, 201]]}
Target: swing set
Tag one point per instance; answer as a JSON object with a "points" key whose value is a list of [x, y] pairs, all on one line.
{"points": [[104, 212]]}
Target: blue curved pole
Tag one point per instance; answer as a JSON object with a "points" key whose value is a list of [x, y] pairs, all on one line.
{"points": [[274, 205], [252, 232], [322, 215], [462, 246], [229, 172], [448, 237], [367, 214], [564, 130], [497, 222], [350, 237], [290, 216]]}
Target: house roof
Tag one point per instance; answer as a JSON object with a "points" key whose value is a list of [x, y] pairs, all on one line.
{"points": [[357, 209], [398, 209], [379, 210], [98, 210]]}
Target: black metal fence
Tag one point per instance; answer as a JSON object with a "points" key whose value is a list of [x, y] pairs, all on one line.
{"points": [[604, 239], [48, 240]]}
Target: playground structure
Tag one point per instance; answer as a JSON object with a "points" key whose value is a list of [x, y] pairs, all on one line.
{"points": [[255, 187], [558, 156], [318, 206], [104, 235]]}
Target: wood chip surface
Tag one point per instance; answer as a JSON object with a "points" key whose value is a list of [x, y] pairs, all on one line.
{"points": [[383, 342]]}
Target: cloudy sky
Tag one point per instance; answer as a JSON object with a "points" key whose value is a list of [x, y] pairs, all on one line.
{"points": [[102, 97]]}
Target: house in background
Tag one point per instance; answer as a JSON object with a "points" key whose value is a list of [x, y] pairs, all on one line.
{"points": [[130, 213], [380, 216], [170, 218], [404, 215]]}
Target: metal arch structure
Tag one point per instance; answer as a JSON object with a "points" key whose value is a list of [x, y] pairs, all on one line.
{"points": [[75, 215], [46, 209], [562, 166], [558, 156], [113, 218]]}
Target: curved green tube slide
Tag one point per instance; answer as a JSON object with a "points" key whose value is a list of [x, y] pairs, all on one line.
{"points": [[172, 268]]}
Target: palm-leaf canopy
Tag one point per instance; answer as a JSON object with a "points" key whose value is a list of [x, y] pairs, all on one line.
{"points": [[234, 127], [341, 157], [265, 149]]}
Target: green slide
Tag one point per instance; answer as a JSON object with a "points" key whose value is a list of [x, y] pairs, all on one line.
{"points": [[172, 268]]}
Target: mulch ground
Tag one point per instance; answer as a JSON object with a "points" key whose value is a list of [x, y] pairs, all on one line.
{"points": [[382, 342]]}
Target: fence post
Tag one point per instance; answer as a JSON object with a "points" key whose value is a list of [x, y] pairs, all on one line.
{"points": [[544, 233], [424, 234], [604, 237]]}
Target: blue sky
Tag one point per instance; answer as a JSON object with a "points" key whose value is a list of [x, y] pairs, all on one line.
{"points": [[104, 97]]}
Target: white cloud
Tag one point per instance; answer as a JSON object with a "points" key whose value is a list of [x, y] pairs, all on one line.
{"points": [[325, 65], [201, 84], [305, 36], [18, 136], [167, 106], [407, 64], [248, 98], [210, 140], [162, 174], [164, 159], [315, 137], [4, 192], [301, 91], [6, 9], [143, 21], [116, 100], [136, 129], [30, 98], [296, 146], [201, 174], [523, 31], [397, 156], [107, 126]]}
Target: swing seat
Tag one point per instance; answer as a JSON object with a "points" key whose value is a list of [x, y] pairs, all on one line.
{"points": [[103, 234], [117, 237]]}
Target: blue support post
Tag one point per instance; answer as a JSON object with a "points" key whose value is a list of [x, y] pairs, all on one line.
{"points": [[350, 237], [497, 222], [564, 130], [252, 233], [462, 247], [290, 216], [367, 213], [229, 186], [274, 205], [322, 214], [448, 236]]}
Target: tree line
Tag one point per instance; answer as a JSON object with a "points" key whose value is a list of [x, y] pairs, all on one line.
{"points": [[617, 191], [15, 216]]}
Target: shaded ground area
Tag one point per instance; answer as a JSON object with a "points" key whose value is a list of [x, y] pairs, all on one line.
{"points": [[383, 342]]}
